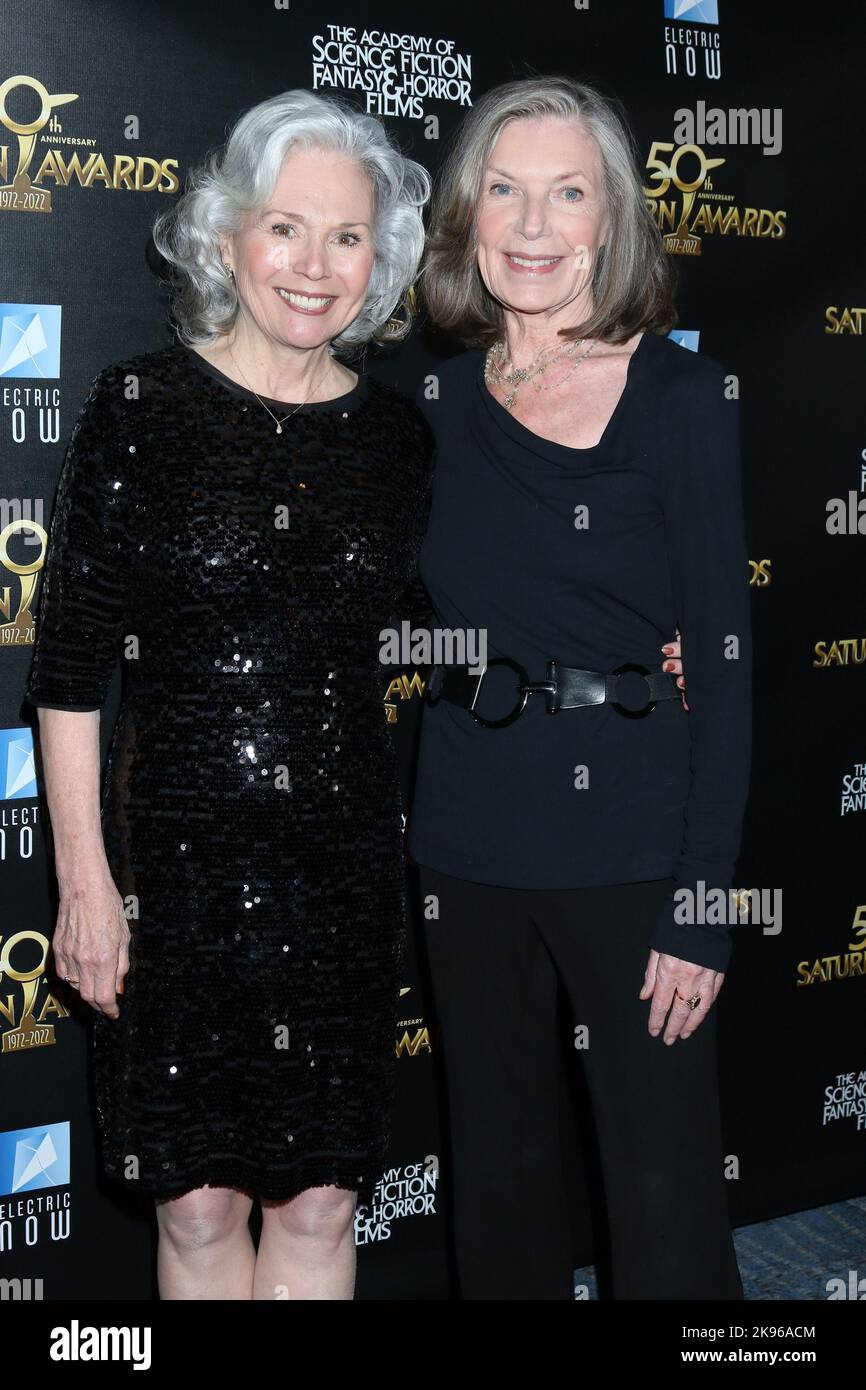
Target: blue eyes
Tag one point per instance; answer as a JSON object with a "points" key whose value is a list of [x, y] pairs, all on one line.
{"points": [[281, 228], [569, 189]]}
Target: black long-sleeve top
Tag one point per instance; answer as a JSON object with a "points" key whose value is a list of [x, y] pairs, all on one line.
{"points": [[594, 557]]}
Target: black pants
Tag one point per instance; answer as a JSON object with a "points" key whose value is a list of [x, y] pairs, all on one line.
{"points": [[497, 956]]}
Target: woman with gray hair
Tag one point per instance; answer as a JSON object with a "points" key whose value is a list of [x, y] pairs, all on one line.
{"points": [[587, 499], [240, 512]]}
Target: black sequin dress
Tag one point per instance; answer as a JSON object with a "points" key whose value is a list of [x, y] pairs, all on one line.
{"points": [[251, 800]]}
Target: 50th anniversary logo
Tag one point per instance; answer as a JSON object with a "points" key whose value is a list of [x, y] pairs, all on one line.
{"points": [[27, 174]]}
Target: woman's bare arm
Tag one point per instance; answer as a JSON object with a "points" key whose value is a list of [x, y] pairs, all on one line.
{"points": [[92, 935]]}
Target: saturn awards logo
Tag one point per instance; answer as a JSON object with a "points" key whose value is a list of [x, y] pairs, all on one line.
{"points": [[686, 206], [37, 158]]}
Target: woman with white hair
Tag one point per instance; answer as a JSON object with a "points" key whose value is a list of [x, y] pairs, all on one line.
{"points": [[241, 511]]}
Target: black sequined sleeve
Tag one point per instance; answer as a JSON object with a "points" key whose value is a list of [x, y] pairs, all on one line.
{"points": [[83, 588]]}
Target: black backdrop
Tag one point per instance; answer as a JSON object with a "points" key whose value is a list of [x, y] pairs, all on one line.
{"points": [[775, 297]]}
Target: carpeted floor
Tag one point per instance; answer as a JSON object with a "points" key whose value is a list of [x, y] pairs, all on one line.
{"points": [[795, 1256]]}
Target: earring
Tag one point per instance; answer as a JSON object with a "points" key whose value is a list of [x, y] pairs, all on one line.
{"points": [[228, 270]]}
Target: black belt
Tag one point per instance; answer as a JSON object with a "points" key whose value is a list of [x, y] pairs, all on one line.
{"points": [[566, 687]]}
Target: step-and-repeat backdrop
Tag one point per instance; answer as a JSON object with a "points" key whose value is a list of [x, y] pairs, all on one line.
{"points": [[747, 187]]}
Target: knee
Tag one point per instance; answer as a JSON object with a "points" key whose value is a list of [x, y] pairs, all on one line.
{"points": [[201, 1217], [318, 1213]]}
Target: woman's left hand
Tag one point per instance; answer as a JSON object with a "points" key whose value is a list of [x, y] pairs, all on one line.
{"points": [[669, 981], [672, 652]]}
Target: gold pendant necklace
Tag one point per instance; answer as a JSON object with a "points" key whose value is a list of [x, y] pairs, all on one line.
{"points": [[279, 423]]}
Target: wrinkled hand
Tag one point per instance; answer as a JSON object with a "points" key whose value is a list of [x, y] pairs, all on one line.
{"points": [[673, 663], [668, 977], [91, 940]]}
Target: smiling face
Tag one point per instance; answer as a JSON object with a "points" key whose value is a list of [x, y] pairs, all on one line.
{"points": [[541, 217], [302, 263]]}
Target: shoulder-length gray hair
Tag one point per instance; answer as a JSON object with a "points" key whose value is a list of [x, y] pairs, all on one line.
{"points": [[633, 281], [242, 175]]}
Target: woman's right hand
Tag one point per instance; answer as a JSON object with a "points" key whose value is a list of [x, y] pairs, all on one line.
{"points": [[91, 939], [673, 651]]}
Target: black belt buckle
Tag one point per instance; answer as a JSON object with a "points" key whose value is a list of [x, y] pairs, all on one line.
{"points": [[523, 694], [525, 688], [621, 709]]}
